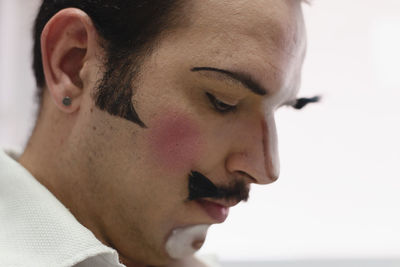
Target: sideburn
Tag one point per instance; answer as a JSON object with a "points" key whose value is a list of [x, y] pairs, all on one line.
{"points": [[115, 90]]}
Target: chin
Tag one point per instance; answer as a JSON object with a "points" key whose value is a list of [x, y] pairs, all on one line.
{"points": [[180, 243], [185, 241]]}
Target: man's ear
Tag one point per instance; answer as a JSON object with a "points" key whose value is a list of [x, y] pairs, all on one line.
{"points": [[67, 43]]}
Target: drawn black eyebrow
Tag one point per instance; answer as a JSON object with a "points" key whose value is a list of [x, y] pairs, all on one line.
{"points": [[246, 80]]}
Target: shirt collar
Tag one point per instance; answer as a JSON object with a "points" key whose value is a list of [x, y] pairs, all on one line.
{"points": [[38, 230]]}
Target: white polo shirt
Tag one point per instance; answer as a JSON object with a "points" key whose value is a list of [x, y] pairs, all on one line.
{"points": [[37, 230]]}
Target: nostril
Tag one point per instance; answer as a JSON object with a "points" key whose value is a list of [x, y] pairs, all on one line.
{"points": [[248, 176]]}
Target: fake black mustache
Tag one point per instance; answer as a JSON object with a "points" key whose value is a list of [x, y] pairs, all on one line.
{"points": [[202, 187]]}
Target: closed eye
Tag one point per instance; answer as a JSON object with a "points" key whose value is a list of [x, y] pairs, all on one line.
{"points": [[219, 106]]}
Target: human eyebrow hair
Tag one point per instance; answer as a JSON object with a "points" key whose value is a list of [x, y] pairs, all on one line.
{"points": [[244, 79]]}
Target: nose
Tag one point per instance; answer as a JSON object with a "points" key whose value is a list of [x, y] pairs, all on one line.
{"points": [[255, 151]]}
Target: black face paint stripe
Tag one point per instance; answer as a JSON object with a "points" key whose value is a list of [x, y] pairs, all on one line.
{"points": [[302, 102]]}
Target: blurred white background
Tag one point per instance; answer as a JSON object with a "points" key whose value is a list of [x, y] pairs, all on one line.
{"points": [[338, 195]]}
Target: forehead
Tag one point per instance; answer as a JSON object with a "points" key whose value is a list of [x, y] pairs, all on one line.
{"points": [[262, 37], [273, 18]]}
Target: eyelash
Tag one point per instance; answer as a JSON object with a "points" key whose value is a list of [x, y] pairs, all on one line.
{"points": [[220, 106]]}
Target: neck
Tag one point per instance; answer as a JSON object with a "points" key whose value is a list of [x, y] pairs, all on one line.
{"points": [[51, 157], [56, 167]]}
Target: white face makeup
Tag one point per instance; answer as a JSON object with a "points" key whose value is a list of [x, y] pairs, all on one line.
{"points": [[184, 242]]}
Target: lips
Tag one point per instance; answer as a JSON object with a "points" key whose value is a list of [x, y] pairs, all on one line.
{"points": [[217, 212]]}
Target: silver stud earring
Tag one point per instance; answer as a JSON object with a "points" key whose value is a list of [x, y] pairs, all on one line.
{"points": [[67, 101]]}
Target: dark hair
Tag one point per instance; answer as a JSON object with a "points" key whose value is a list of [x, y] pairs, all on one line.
{"points": [[128, 28]]}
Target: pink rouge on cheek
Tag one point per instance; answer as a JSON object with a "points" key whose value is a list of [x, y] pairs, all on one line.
{"points": [[175, 141]]}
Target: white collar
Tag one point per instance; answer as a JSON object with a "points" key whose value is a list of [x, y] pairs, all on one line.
{"points": [[38, 230]]}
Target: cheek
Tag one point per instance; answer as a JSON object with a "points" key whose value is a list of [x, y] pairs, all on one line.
{"points": [[175, 142]]}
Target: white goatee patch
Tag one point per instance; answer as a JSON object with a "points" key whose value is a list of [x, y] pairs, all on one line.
{"points": [[185, 241]]}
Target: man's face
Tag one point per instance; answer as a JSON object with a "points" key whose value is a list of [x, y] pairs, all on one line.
{"points": [[138, 177]]}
